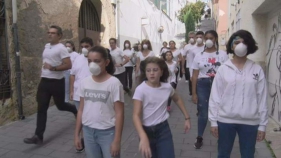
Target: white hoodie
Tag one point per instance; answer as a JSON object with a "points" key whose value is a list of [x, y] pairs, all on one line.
{"points": [[239, 97]]}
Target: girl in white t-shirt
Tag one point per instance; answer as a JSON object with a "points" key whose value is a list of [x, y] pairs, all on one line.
{"points": [[129, 66], [205, 66], [73, 55], [172, 65], [101, 110], [177, 57], [150, 114], [146, 51]]}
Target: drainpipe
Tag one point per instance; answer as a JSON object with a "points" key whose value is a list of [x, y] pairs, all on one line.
{"points": [[17, 57]]}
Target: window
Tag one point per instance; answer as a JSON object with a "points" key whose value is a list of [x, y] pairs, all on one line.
{"points": [[89, 17], [5, 85], [238, 20]]}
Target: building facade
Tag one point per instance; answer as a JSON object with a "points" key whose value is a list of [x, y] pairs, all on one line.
{"points": [[144, 19], [78, 18], [263, 19]]}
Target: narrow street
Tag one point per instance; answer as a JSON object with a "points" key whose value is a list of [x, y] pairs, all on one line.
{"points": [[59, 143]]}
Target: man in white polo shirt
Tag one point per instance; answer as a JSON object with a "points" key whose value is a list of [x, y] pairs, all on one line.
{"points": [[55, 61], [120, 60]]}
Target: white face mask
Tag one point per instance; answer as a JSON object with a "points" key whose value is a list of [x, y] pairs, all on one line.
{"points": [[241, 50], [69, 49], [145, 46], [85, 52], [209, 43], [199, 40], [94, 68], [191, 40], [127, 45]]}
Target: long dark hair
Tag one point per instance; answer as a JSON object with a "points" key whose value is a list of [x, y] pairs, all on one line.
{"points": [[160, 62], [215, 34], [127, 41], [110, 68], [146, 41], [72, 44]]}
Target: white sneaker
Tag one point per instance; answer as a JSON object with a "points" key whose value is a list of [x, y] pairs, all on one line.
{"points": [[179, 79], [186, 81]]}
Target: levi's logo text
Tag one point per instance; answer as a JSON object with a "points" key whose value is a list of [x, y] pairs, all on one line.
{"points": [[96, 95]]}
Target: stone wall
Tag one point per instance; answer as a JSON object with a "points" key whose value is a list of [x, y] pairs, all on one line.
{"points": [[34, 19]]}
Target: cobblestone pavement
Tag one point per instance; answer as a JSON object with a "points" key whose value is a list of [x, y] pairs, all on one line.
{"points": [[59, 135]]}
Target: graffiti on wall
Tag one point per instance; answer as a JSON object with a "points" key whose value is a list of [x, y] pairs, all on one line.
{"points": [[273, 72]]}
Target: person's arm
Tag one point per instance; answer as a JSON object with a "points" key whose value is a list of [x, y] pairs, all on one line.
{"points": [[72, 79], [138, 65], [177, 99], [262, 102], [66, 65], [78, 126], [144, 142], [194, 85]]}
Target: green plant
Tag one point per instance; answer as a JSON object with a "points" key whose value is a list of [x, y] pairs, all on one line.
{"points": [[189, 24], [197, 10], [269, 147]]}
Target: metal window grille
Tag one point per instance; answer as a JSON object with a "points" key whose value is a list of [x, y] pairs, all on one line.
{"points": [[5, 86], [89, 18]]}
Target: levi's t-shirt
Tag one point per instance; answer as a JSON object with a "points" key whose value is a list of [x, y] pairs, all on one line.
{"points": [[99, 99]]}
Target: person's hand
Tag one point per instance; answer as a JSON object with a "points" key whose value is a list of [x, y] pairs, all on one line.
{"points": [[77, 142], [71, 96], [215, 132], [47, 66], [187, 126], [115, 148], [260, 136], [194, 98], [144, 148]]}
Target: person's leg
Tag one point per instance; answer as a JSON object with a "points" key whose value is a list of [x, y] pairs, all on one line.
{"points": [[150, 132], [105, 139], [164, 141], [227, 134], [177, 73], [247, 139], [57, 91], [203, 94], [92, 148], [43, 98], [181, 74], [126, 77], [131, 69], [67, 91]]}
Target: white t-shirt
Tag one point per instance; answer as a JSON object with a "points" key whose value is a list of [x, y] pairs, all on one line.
{"points": [[80, 69], [154, 102], [164, 50], [142, 58], [176, 54], [192, 53], [186, 53], [172, 71], [208, 63], [73, 56], [117, 55], [129, 54], [99, 99], [53, 55]]}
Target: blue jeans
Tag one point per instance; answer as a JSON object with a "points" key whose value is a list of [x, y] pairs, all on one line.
{"points": [[160, 140], [98, 142], [76, 103], [203, 89], [247, 139], [67, 85]]}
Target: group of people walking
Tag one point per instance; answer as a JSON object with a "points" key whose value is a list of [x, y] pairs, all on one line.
{"points": [[231, 93]]}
